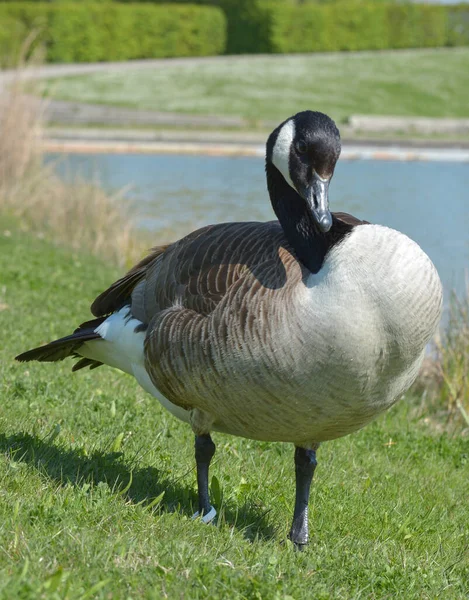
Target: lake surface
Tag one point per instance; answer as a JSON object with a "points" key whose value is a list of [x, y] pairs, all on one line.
{"points": [[176, 194]]}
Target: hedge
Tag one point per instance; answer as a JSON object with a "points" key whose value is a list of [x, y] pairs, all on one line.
{"points": [[458, 25], [364, 26], [357, 27], [256, 26], [247, 22], [114, 31], [90, 32]]}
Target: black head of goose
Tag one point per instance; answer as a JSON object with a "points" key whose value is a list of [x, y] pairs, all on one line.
{"points": [[298, 330]]}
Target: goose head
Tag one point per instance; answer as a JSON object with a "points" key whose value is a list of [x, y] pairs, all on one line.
{"points": [[301, 155]]}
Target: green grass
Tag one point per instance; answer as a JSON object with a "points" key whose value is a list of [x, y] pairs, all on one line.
{"points": [[83, 457], [430, 83]]}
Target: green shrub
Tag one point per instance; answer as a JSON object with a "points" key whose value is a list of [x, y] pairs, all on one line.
{"points": [[257, 26], [248, 26], [125, 30], [247, 22], [328, 28], [89, 32], [417, 26], [363, 26], [458, 25]]}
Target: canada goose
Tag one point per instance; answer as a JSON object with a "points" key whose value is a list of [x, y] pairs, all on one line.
{"points": [[299, 330]]}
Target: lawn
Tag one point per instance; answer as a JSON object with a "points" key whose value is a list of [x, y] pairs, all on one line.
{"points": [[97, 481], [431, 83]]}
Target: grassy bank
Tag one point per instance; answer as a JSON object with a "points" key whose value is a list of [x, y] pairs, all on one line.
{"points": [[430, 83], [84, 456]]}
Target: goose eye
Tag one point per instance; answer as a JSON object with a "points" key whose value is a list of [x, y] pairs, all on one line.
{"points": [[301, 147]]}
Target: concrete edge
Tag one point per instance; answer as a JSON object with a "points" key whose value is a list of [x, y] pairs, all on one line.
{"points": [[349, 151]]}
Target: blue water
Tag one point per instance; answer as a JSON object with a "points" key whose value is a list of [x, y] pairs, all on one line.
{"points": [[175, 194]]}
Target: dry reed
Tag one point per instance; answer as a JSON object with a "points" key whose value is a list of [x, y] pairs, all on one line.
{"points": [[76, 213], [453, 350], [443, 381]]}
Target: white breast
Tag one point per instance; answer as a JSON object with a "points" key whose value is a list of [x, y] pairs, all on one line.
{"points": [[368, 316], [378, 280]]}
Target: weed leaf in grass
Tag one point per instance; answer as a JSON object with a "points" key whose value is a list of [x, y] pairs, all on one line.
{"points": [[216, 491]]}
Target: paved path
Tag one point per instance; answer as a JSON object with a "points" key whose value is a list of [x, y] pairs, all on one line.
{"points": [[52, 71], [253, 136], [79, 114], [229, 144]]}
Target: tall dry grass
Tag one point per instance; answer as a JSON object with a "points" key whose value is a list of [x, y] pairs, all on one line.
{"points": [[78, 214], [443, 382], [453, 350]]}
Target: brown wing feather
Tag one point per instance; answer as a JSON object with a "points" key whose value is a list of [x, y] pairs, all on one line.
{"points": [[120, 291], [229, 288], [197, 271]]}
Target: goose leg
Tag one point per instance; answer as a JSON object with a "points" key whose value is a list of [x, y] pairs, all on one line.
{"points": [[305, 464], [204, 451]]}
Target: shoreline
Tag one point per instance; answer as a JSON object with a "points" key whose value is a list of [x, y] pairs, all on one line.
{"points": [[351, 150]]}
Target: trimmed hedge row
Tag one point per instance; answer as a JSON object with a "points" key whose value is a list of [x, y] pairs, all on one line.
{"points": [[363, 27], [458, 25], [248, 22], [281, 26], [114, 31], [89, 32]]}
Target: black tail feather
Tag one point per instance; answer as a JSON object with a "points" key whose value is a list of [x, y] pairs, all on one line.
{"points": [[86, 362], [66, 346], [92, 324]]}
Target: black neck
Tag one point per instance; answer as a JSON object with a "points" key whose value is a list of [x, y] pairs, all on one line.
{"points": [[309, 243]]}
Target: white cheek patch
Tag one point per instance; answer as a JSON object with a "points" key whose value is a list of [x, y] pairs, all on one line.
{"points": [[281, 151]]}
